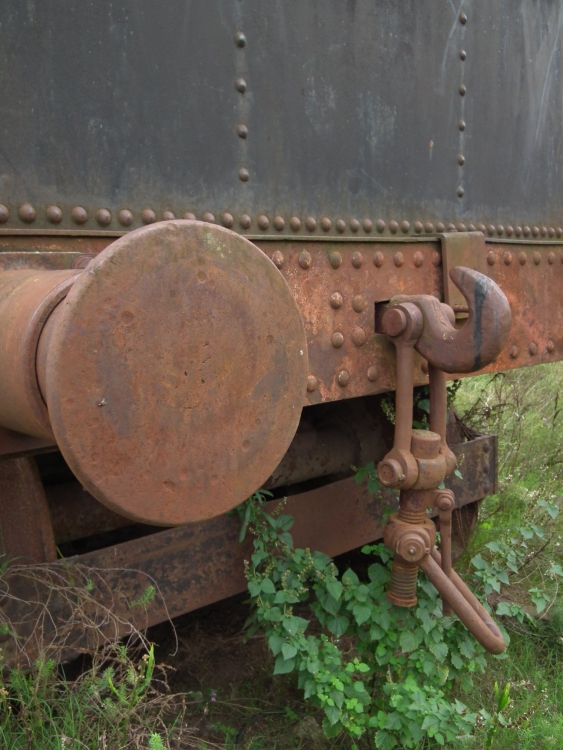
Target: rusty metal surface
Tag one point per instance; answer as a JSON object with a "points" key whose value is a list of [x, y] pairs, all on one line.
{"points": [[335, 114], [193, 565], [27, 298], [465, 249], [174, 372], [26, 532]]}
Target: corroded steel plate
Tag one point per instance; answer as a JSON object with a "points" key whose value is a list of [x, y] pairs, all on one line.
{"points": [[176, 372]]}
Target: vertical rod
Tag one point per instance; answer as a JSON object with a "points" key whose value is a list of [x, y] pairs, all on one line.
{"points": [[403, 396]]}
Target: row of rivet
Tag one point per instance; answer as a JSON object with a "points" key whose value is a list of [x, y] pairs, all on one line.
{"points": [[241, 86], [462, 89], [305, 259], [27, 213], [342, 378], [533, 349], [522, 258]]}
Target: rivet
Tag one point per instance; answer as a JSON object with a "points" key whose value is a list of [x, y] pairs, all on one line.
{"points": [[336, 300], [526, 231], [418, 259], [393, 226], [305, 259], [340, 225], [103, 217], [279, 223], [543, 231], [378, 259], [125, 217], [263, 221], [460, 226], [357, 259], [207, 216], [500, 229], [507, 257], [227, 220], [243, 174], [551, 258], [471, 227], [398, 259], [424, 366], [429, 227], [380, 225], [54, 214], [462, 54], [518, 230], [335, 259], [343, 378], [312, 383], [4, 214], [359, 336], [460, 192], [189, 216], [461, 160], [326, 224], [240, 39], [372, 374], [463, 17], [509, 230], [462, 89], [242, 131], [367, 225], [490, 229], [451, 227], [550, 346], [491, 259], [436, 259], [405, 226], [514, 352], [354, 225], [168, 216], [148, 216], [277, 259], [551, 232], [461, 124], [537, 258], [311, 223], [240, 83], [295, 223], [522, 258], [245, 221], [481, 227], [559, 231], [440, 227], [535, 231], [27, 213], [533, 349], [359, 304], [417, 226], [337, 339]]}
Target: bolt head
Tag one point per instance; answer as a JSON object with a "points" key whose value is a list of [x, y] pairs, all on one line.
{"points": [[394, 321]]}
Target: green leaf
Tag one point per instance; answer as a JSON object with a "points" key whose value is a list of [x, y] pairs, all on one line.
{"points": [[275, 642], [293, 624], [410, 640], [440, 650], [350, 577], [267, 586], [333, 714], [254, 588], [424, 405], [378, 574], [385, 741], [338, 624], [478, 562], [467, 648], [288, 650], [334, 588], [283, 666], [361, 613], [285, 522]]}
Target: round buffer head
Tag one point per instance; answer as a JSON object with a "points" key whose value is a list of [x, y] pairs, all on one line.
{"points": [[174, 372]]}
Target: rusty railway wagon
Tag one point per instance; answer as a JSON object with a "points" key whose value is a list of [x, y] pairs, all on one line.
{"points": [[227, 227]]}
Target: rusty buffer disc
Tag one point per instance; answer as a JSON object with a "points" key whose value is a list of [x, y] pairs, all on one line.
{"points": [[176, 372]]}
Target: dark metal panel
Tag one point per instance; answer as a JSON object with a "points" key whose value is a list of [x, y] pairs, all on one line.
{"points": [[351, 110]]}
